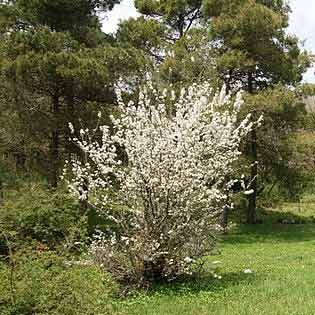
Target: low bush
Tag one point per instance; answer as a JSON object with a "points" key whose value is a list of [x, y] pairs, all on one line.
{"points": [[44, 283], [50, 218]]}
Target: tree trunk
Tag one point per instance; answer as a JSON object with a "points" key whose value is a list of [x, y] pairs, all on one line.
{"points": [[20, 161], [225, 216], [84, 202], [1, 192], [54, 150], [69, 117], [225, 219], [154, 270], [251, 211]]}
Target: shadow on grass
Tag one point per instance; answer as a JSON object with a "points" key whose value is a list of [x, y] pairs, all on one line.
{"points": [[207, 283], [276, 226]]}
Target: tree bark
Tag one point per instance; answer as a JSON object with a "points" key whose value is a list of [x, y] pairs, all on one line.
{"points": [[225, 219], [54, 150], [20, 161], [1, 192], [251, 211], [69, 117]]}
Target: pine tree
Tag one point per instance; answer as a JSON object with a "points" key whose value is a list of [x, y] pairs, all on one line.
{"points": [[59, 68], [254, 52]]}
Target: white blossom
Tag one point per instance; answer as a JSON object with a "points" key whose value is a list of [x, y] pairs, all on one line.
{"points": [[249, 192], [167, 193], [71, 127]]}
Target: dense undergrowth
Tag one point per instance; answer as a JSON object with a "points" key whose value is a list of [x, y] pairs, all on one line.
{"points": [[44, 283]]}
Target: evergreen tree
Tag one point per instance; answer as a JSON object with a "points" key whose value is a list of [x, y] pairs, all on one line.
{"points": [[55, 72], [175, 36], [254, 52]]}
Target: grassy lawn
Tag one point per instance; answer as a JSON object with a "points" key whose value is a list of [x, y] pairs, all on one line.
{"points": [[282, 258]]}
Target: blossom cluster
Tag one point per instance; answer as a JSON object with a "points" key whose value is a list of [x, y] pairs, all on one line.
{"points": [[159, 174]]}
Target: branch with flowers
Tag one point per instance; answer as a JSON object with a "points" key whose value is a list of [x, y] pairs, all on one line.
{"points": [[165, 198]]}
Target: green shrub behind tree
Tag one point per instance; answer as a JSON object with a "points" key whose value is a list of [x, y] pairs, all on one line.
{"points": [[33, 215], [44, 284]]}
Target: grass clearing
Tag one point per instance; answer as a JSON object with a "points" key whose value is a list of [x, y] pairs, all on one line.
{"points": [[281, 256]]}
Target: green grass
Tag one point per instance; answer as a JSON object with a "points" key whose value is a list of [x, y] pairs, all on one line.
{"points": [[282, 258]]}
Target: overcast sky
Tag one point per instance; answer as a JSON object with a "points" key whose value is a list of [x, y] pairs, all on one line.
{"points": [[302, 23]]}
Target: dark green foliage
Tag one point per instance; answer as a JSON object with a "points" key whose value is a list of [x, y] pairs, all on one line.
{"points": [[33, 216], [283, 115], [77, 17], [54, 63], [44, 283], [144, 34], [177, 15], [175, 36], [254, 49]]}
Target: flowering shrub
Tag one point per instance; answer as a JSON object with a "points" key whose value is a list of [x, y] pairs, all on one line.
{"points": [[166, 190]]}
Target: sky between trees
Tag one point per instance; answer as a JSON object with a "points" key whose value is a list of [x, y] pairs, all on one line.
{"points": [[302, 23]]}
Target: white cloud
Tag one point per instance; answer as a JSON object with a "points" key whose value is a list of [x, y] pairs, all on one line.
{"points": [[120, 12], [302, 24]]}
